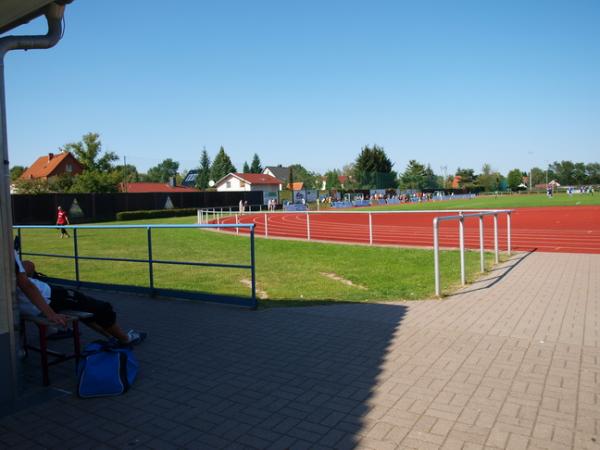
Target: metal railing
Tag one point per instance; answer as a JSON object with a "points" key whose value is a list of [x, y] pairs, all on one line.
{"points": [[217, 215], [461, 232], [150, 261]]}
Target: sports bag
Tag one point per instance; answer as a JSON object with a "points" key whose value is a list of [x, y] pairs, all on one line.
{"points": [[105, 370]]}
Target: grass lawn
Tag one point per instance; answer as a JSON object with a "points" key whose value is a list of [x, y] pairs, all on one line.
{"points": [[500, 202], [288, 272]]}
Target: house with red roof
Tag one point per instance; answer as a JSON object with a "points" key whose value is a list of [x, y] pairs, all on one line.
{"points": [[143, 188], [236, 182], [51, 166]]}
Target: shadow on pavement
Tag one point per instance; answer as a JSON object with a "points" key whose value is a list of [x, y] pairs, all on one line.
{"points": [[487, 282], [221, 377]]}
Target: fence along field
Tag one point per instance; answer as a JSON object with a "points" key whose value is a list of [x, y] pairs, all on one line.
{"points": [[287, 272]]}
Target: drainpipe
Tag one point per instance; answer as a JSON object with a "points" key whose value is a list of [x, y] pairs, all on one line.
{"points": [[8, 365]]}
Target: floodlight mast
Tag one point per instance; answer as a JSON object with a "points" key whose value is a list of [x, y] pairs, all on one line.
{"points": [[8, 367]]}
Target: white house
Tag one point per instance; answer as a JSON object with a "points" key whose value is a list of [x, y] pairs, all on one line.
{"points": [[236, 182]]}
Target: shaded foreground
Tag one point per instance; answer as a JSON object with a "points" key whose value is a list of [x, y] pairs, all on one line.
{"points": [[511, 361]]}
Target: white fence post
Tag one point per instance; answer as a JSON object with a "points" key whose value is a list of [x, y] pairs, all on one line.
{"points": [[508, 232], [370, 229], [307, 226], [266, 225], [461, 230], [481, 247], [237, 230], [436, 257], [496, 238]]}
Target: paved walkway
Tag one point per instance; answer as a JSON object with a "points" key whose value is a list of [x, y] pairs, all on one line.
{"points": [[511, 362]]}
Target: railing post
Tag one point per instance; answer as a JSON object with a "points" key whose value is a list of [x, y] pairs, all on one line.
{"points": [[461, 232], [436, 258], [508, 232], [150, 267], [266, 225], [253, 269], [307, 226], [199, 216], [370, 229], [496, 259], [76, 254], [20, 244], [481, 247]]}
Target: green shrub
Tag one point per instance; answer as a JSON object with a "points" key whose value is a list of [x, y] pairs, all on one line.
{"points": [[155, 213]]}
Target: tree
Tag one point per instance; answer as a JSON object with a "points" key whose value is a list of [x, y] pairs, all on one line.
{"points": [[564, 172], [255, 167], [432, 181], [514, 179], [127, 173], [62, 183], [593, 173], [221, 165], [87, 152], [488, 179], [204, 172], [414, 176], [33, 186], [16, 172], [97, 182], [300, 173], [332, 179], [537, 176], [373, 169], [467, 177], [246, 168], [162, 172], [579, 173]]}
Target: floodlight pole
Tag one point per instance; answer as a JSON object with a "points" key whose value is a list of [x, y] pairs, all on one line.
{"points": [[8, 365]]}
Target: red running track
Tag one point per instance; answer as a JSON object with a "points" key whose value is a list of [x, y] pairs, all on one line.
{"points": [[574, 229]]}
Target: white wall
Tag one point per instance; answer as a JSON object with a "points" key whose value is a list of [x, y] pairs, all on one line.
{"points": [[235, 185]]}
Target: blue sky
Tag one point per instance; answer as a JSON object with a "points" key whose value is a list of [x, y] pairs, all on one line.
{"points": [[454, 84]]}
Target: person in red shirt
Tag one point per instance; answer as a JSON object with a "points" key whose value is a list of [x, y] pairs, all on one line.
{"points": [[62, 219]]}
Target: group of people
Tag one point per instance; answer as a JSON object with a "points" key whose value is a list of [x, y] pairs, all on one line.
{"points": [[582, 189], [271, 204]]}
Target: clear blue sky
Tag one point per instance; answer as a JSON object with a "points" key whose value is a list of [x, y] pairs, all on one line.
{"points": [[462, 83]]}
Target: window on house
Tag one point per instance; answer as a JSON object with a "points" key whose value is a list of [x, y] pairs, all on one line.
{"points": [[228, 184], [242, 184], [69, 168]]}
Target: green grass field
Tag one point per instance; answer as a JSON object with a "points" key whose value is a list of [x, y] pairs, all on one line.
{"points": [[500, 202], [288, 272]]}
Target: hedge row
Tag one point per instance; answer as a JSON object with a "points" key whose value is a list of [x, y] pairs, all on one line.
{"points": [[156, 213]]}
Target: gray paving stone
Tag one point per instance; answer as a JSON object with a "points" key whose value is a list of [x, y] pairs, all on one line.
{"points": [[506, 362]]}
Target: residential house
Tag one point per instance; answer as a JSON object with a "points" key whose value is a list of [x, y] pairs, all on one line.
{"points": [[279, 172], [236, 182], [51, 166], [141, 188]]}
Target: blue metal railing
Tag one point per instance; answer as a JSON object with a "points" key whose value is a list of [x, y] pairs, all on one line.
{"points": [[153, 290]]}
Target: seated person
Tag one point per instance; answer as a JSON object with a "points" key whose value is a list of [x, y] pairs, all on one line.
{"points": [[37, 297]]}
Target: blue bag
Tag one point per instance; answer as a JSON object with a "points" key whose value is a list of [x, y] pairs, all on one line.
{"points": [[105, 370]]}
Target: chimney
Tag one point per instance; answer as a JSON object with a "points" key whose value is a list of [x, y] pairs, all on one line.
{"points": [[50, 156], [172, 181]]}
